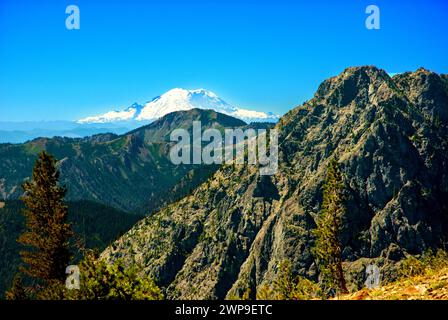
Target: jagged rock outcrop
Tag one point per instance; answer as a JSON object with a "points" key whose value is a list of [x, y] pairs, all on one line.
{"points": [[390, 136]]}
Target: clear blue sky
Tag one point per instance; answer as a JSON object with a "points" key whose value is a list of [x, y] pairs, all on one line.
{"points": [[265, 55]]}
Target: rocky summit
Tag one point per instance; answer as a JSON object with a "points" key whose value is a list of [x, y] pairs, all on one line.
{"points": [[390, 138]]}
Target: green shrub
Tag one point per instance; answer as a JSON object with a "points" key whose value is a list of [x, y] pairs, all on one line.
{"points": [[425, 264]]}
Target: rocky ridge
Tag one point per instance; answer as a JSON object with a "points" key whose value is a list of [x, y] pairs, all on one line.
{"points": [[390, 137]]}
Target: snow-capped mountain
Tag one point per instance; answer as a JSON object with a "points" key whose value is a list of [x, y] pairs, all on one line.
{"points": [[178, 100], [127, 114]]}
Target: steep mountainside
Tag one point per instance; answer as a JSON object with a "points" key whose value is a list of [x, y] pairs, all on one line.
{"points": [[128, 172], [390, 136]]}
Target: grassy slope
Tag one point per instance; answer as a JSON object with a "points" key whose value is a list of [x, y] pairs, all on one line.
{"points": [[424, 278], [423, 287]]}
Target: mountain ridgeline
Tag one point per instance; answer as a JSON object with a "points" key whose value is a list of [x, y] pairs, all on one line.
{"points": [[95, 226], [131, 172], [390, 138]]}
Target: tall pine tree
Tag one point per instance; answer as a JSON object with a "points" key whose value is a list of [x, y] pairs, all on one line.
{"points": [[17, 290], [47, 233], [328, 247]]}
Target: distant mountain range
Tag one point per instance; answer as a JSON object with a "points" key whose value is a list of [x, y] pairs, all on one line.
{"points": [[20, 132], [131, 172], [133, 117], [179, 100]]}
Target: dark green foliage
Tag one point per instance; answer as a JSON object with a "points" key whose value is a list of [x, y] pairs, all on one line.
{"points": [[12, 223], [98, 281], [101, 281], [17, 290], [327, 249], [46, 238], [95, 226], [132, 172], [46, 253], [424, 264]]}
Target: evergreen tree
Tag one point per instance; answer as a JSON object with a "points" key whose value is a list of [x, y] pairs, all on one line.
{"points": [[115, 281], [328, 245], [17, 291], [46, 238]]}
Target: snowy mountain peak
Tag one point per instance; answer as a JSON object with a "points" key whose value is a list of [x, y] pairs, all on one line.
{"points": [[179, 99]]}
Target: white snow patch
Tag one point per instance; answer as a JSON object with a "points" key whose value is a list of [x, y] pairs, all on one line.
{"points": [[179, 99]]}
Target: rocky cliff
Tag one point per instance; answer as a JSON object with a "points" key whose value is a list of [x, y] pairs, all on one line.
{"points": [[390, 137]]}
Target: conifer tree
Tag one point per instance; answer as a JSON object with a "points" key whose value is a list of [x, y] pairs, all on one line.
{"points": [[17, 290], [46, 238], [328, 247]]}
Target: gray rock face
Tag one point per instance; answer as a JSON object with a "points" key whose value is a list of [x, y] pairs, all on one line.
{"points": [[390, 136]]}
